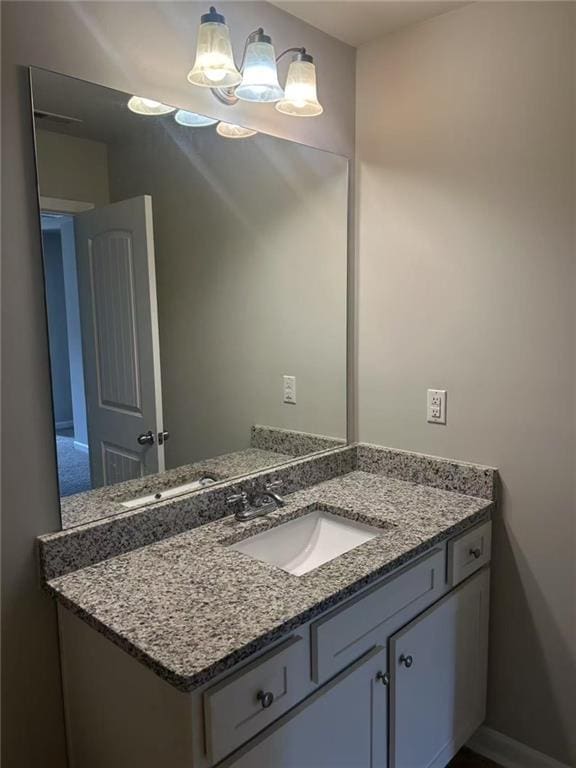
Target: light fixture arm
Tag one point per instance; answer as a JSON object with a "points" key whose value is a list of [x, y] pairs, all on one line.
{"points": [[290, 50]]}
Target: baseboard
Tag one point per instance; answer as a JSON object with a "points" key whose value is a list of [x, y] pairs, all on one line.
{"points": [[80, 446], [508, 752], [64, 424]]}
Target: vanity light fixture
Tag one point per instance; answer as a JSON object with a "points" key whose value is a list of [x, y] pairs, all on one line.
{"points": [[214, 64], [300, 97], [256, 79], [142, 106], [193, 119], [233, 131], [259, 73]]}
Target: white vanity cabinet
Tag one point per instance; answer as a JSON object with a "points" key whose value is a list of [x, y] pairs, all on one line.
{"points": [[438, 678], [343, 724], [394, 677]]}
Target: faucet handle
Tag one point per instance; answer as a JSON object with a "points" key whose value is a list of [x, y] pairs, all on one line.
{"points": [[238, 497], [274, 484]]}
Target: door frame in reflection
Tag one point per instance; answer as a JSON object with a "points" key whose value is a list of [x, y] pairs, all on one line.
{"points": [[78, 456]]}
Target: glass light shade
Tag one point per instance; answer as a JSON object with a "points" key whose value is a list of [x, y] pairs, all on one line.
{"points": [[143, 106], [232, 131], [300, 97], [214, 66], [193, 119], [260, 76]]}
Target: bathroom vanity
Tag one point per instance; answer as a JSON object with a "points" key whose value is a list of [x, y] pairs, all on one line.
{"points": [[345, 627], [189, 652]]}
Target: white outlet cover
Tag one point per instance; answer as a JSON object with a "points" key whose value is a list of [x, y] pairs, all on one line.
{"points": [[436, 406], [289, 389]]}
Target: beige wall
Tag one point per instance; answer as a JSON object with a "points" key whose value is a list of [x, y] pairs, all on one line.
{"points": [[143, 47], [251, 270], [466, 137], [71, 168]]}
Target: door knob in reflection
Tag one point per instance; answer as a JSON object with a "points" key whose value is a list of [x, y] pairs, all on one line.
{"points": [[146, 438]]}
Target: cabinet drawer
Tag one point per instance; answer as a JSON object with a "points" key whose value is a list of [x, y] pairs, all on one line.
{"points": [[245, 702], [349, 631], [469, 552]]}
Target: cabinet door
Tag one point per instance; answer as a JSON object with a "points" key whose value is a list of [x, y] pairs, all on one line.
{"points": [[341, 725], [438, 678]]}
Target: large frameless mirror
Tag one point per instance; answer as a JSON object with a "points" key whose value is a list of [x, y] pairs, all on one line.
{"points": [[196, 297]]}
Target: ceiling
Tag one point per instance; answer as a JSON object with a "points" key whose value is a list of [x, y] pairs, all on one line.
{"points": [[82, 109], [357, 21]]}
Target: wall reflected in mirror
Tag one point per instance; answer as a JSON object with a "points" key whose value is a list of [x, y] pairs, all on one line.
{"points": [[196, 298]]}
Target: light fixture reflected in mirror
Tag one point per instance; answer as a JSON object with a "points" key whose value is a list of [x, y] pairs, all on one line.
{"points": [[301, 99], [259, 73], [233, 131], [143, 106], [214, 65], [193, 119]]}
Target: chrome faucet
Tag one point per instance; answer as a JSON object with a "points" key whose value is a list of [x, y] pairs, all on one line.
{"points": [[256, 504]]}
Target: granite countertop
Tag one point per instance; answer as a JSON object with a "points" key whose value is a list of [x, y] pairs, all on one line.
{"points": [[102, 502], [189, 607]]}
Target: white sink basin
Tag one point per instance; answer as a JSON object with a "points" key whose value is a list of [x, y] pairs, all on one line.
{"points": [[307, 542]]}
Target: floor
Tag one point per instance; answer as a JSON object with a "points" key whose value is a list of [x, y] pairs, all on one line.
{"points": [[73, 465], [468, 759]]}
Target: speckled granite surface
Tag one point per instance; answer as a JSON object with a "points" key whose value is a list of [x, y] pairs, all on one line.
{"points": [[83, 508], [119, 532], [291, 441], [112, 535], [189, 607], [459, 476]]}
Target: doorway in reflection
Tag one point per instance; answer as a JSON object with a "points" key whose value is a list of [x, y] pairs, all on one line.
{"points": [[66, 365]]}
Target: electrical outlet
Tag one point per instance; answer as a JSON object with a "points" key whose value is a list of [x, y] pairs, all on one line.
{"points": [[290, 390], [436, 406]]}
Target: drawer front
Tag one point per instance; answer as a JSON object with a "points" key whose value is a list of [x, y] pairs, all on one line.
{"points": [[245, 702], [349, 631], [469, 552]]}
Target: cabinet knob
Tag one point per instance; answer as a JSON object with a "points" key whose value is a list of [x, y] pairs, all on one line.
{"points": [[476, 552], [266, 698], [406, 660], [383, 677]]}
